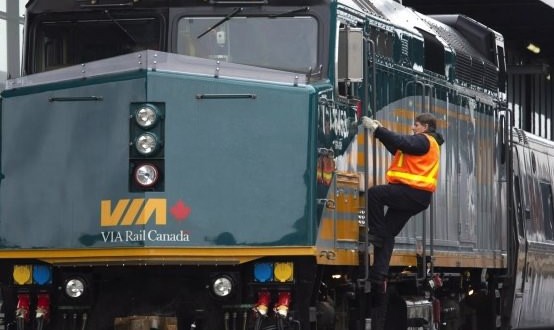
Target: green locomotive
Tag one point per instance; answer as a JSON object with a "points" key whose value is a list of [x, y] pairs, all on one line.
{"points": [[197, 164]]}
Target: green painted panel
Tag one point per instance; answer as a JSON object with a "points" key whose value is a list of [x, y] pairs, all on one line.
{"points": [[62, 153], [237, 159], [238, 171]]}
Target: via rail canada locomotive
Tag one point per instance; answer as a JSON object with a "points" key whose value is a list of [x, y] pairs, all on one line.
{"points": [[198, 164]]}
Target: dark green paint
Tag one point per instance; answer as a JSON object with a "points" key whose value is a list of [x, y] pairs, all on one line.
{"points": [[244, 167]]}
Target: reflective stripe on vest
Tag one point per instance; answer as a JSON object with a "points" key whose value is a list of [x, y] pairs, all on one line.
{"points": [[416, 171]]}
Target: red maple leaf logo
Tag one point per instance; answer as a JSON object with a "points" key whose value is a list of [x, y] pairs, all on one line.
{"points": [[180, 211]]}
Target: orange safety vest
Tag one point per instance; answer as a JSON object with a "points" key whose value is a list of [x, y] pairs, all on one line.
{"points": [[417, 171]]}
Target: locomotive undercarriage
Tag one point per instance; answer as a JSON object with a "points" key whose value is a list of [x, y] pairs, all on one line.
{"points": [[156, 297], [172, 298], [446, 301]]}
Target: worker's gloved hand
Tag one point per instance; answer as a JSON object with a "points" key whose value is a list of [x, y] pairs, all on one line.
{"points": [[370, 124]]}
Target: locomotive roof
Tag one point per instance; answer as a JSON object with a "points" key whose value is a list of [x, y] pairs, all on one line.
{"points": [[457, 33]]}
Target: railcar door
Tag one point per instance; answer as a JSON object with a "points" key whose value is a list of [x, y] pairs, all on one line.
{"points": [[518, 217]]}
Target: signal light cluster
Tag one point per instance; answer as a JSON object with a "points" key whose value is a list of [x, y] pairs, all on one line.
{"points": [[32, 274], [28, 305], [280, 307], [274, 272], [146, 152], [35, 289]]}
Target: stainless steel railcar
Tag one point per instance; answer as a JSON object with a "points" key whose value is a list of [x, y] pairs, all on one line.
{"points": [[532, 220], [198, 164]]}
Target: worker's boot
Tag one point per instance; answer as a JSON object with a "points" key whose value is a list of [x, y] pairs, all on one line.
{"points": [[378, 303]]}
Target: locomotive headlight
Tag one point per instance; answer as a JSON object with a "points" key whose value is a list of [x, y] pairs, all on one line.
{"points": [[147, 143], [146, 116], [222, 286], [146, 175], [146, 146], [74, 287]]}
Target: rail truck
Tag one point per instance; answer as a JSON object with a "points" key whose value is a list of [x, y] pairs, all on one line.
{"points": [[198, 164]]}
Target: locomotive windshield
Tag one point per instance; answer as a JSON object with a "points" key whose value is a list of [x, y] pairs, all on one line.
{"points": [[285, 43], [64, 41]]}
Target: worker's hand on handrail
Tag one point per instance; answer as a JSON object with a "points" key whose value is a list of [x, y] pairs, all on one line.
{"points": [[370, 124]]}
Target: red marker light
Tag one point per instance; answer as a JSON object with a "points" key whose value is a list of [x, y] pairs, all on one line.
{"points": [[263, 302], [43, 306], [282, 305], [23, 303]]}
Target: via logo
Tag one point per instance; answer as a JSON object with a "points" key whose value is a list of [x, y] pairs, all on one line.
{"points": [[140, 211]]}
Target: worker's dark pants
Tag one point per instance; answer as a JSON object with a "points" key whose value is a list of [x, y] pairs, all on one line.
{"points": [[403, 202]]}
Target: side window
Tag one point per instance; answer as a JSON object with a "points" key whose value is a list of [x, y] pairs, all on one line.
{"points": [[383, 40], [433, 54], [547, 211]]}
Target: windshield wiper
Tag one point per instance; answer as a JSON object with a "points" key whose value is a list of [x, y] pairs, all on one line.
{"points": [[225, 19], [120, 26], [290, 12]]}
